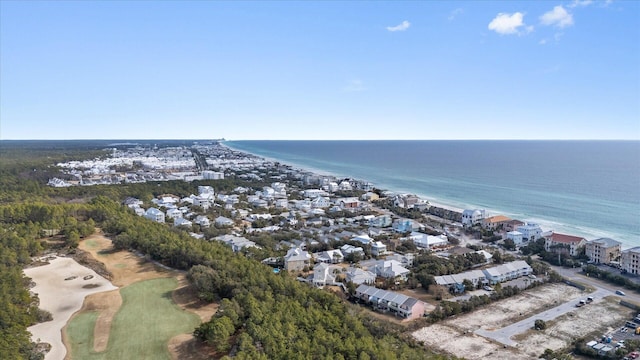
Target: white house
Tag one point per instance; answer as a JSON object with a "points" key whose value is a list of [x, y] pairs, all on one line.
{"points": [[507, 271], [391, 269], [381, 221], [359, 276], [212, 175], [329, 256], [323, 274], [530, 231], [182, 222], [378, 248], [237, 243], [350, 249], [203, 201], [516, 236], [345, 186], [472, 217], [223, 221], [174, 213], [427, 241], [362, 238], [154, 214], [320, 202], [203, 221], [206, 191], [282, 203]]}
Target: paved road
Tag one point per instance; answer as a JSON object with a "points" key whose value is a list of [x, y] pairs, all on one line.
{"points": [[577, 275], [504, 335]]}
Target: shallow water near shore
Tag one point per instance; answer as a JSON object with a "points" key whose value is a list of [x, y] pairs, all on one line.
{"points": [[587, 188]]}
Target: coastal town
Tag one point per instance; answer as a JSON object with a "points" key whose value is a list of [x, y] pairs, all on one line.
{"points": [[394, 254]]}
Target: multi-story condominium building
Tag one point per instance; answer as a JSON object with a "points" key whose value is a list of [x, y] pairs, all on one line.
{"points": [[603, 251], [630, 260], [530, 231], [472, 217]]}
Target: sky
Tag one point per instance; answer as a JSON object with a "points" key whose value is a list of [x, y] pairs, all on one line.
{"points": [[320, 70]]}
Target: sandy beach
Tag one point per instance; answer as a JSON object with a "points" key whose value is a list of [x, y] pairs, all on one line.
{"points": [[62, 298]]}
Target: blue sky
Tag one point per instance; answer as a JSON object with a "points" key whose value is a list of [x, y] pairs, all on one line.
{"points": [[320, 70]]}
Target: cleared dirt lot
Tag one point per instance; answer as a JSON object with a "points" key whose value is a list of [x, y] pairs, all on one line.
{"points": [[599, 316]]}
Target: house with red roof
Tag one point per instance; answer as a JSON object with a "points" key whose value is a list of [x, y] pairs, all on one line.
{"points": [[561, 243]]}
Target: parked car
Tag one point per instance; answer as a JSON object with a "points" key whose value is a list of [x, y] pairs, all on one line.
{"points": [[589, 299], [488, 288], [620, 292]]}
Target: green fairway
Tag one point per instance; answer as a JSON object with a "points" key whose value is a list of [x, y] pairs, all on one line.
{"points": [[142, 327]]}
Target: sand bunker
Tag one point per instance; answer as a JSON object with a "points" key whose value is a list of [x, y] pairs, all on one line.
{"points": [[62, 298]]}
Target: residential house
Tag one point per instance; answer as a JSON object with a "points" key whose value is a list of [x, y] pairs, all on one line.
{"points": [[313, 193], [362, 238], [345, 186], [405, 259], [329, 256], [212, 175], [561, 243], [154, 214], [472, 217], [320, 202], [455, 281], [182, 222], [603, 250], [425, 241], [378, 248], [348, 249], [515, 236], [512, 225], [359, 276], [223, 221], [406, 225], [324, 274], [381, 221], [530, 231], [237, 243], [203, 221], [405, 201], [350, 203], [282, 203], [630, 260], [370, 196], [400, 304], [495, 222], [507, 271], [296, 259], [206, 191], [203, 201], [132, 202], [391, 269], [174, 213]]}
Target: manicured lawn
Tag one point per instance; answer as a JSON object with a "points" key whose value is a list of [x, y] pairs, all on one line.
{"points": [[142, 327]]}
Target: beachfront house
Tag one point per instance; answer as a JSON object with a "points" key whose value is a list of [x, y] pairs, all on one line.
{"points": [[603, 250], [563, 244], [495, 222], [472, 217], [530, 231], [630, 260]]}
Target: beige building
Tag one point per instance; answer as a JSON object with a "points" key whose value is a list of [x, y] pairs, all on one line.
{"points": [[630, 260], [561, 243], [602, 251]]}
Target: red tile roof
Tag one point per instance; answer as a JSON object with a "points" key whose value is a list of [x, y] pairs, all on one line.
{"points": [[567, 239]]}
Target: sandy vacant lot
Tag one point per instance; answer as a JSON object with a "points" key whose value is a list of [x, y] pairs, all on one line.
{"points": [[600, 316], [62, 298]]}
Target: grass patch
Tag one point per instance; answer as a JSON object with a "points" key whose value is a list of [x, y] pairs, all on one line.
{"points": [[91, 244], [142, 327]]}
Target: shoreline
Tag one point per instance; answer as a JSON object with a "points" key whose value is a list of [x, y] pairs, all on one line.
{"points": [[546, 224]]}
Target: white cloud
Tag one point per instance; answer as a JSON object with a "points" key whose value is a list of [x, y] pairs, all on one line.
{"points": [[579, 3], [354, 86], [557, 17], [507, 24], [542, 42], [455, 13], [402, 27]]}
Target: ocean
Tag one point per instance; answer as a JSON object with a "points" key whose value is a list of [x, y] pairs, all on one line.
{"points": [[585, 188]]}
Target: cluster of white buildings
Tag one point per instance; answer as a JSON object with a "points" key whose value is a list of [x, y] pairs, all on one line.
{"points": [[493, 275]]}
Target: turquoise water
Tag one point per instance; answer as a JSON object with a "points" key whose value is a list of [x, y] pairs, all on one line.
{"points": [[587, 188]]}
